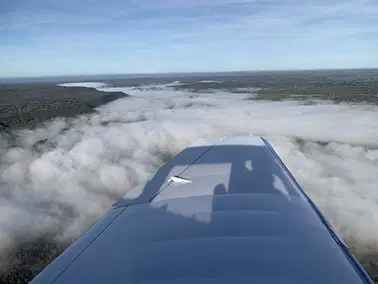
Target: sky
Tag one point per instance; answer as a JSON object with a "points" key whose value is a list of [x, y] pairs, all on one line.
{"points": [[54, 37]]}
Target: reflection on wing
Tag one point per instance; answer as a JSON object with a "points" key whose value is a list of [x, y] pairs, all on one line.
{"points": [[179, 180], [221, 211]]}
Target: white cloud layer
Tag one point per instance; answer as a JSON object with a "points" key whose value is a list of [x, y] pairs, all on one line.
{"points": [[62, 177]]}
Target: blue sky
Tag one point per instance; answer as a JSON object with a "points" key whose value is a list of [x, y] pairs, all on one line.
{"points": [[55, 37]]}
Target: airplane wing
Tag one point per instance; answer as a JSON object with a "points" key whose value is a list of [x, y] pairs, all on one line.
{"points": [[221, 211]]}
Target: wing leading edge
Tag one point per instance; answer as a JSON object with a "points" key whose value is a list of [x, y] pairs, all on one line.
{"points": [[220, 211]]}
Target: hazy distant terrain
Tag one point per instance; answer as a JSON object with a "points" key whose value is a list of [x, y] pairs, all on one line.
{"points": [[69, 151], [337, 85], [27, 104]]}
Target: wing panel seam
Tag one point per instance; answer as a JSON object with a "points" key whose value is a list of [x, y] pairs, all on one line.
{"points": [[187, 167], [65, 269]]}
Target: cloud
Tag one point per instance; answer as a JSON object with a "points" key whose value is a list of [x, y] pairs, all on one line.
{"points": [[271, 13], [60, 178], [189, 30]]}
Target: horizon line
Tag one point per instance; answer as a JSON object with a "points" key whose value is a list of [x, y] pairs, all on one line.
{"points": [[184, 73]]}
